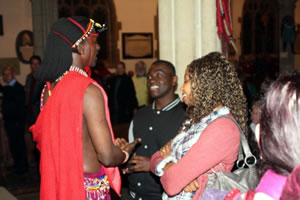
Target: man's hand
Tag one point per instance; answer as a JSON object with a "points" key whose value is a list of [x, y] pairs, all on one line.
{"points": [[125, 146], [140, 164], [121, 143], [165, 151], [192, 187]]}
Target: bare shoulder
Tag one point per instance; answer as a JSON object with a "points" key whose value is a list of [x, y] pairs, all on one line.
{"points": [[93, 94], [93, 101], [93, 91]]}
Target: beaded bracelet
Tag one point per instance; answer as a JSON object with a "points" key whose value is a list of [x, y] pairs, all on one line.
{"points": [[126, 156]]}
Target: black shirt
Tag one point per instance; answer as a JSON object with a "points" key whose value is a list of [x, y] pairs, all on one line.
{"points": [[155, 128]]}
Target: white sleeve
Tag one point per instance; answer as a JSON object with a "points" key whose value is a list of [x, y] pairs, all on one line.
{"points": [[161, 165], [130, 132]]}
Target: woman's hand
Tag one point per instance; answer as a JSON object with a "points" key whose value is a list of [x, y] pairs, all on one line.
{"points": [[192, 187], [168, 165], [165, 151]]}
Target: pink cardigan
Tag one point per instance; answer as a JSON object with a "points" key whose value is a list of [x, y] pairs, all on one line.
{"points": [[218, 143]]}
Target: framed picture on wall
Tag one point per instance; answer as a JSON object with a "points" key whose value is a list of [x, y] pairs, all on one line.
{"points": [[24, 46], [137, 45]]}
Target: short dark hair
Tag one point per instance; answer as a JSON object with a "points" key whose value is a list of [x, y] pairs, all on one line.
{"points": [[35, 57], [280, 123], [167, 63]]}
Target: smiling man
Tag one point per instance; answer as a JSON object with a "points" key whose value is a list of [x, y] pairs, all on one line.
{"points": [[155, 124], [14, 119]]}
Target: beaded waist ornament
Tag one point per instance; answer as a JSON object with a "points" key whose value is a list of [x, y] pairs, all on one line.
{"points": [[97, 188]]}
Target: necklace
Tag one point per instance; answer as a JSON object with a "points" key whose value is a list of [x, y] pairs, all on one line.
{"points": [[72, 68]]}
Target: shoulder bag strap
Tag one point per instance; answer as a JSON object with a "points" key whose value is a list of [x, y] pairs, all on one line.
{"points": [[244, 147]]}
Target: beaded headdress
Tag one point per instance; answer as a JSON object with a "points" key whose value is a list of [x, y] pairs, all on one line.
{"points": [[86, 32], [98, 27], [65, 36]]}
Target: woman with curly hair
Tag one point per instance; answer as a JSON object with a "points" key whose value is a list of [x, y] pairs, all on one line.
{"points": [[206, 140]]}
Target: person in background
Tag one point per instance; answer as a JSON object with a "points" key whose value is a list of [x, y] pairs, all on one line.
{"points": [[122, 96], [130, 73], [206, 140], [140, 84], [288, 33], [255, 119], [33, 89], [13, 110], [155, 124], [101, 74]]}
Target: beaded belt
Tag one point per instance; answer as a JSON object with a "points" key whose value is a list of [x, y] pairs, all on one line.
{"points": [[96, 188]]}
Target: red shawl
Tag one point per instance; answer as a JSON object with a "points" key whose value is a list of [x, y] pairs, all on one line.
{"points": [[58, 132]]}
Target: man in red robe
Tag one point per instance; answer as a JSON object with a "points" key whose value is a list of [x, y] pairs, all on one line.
{"points": [[73, 131]]}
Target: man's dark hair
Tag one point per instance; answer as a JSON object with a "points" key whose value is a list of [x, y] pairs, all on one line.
{"points": [[167, 63], [35, 57], [58, 52]]}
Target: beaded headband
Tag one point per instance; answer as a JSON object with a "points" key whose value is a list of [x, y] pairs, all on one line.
{"points": [[98, 27]]}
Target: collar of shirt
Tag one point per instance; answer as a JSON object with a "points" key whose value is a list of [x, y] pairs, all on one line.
{"points": [[11, 83], [168, 107]]}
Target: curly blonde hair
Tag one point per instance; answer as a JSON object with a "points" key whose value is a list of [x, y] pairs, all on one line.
{"points": [[213, 82]]}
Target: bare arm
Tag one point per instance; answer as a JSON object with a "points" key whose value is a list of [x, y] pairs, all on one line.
{"points": [[94, 112]]}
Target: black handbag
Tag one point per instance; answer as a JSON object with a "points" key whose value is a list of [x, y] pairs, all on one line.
{"points": [[244, 177]]}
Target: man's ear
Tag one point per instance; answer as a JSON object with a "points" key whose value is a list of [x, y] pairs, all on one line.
{"points": [[80, 49], [174, 83], [174, 80]]}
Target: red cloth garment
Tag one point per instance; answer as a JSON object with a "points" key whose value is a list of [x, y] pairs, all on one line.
{"points": [[58, 133]]}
